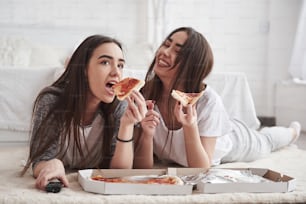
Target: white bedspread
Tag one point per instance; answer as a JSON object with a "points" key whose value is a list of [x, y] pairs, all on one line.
{"points": [[19, 88], [15, 189]]}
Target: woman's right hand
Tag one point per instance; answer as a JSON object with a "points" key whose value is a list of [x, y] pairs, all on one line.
{"points": [[45, 171], [152, 119], [136, 109]]}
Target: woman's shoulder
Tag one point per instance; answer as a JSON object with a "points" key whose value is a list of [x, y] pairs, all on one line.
{"points": [[210, 101], [210, 96], [49, 94]]}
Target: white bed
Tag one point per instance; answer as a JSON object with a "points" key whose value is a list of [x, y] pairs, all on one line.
{"points": [[19, 87]]}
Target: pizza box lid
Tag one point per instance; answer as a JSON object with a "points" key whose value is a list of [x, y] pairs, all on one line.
{"points": [[101, 187], [279, 183]]}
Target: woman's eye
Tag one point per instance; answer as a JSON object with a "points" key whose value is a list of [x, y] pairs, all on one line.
{"points": [[166, 44], [121, 66], [105, 62]]}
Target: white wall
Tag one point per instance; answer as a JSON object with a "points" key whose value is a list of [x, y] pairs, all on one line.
{"points": [[119, 18], [283, 16], [289, 103], [254, 37]]}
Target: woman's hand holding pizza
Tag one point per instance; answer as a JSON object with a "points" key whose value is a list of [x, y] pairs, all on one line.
{"points": [[136, 110], [187, 116], [185, 108], [128, 88]]}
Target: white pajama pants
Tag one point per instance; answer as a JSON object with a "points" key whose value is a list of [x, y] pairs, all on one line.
{"points": [[249, 144]]}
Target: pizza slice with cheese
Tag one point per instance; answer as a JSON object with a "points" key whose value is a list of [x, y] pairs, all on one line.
{"points": [[109, 180], [186, 98], [125, 87], [164, 179]]}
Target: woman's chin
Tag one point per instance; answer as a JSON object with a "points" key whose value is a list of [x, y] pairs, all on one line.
{"points": [[108, 99]]}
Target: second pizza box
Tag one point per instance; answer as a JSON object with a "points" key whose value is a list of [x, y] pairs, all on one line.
{"points": [[275, 182]]}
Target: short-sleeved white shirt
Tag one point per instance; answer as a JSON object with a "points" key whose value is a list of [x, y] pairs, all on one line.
{"points": [[213, 121]]}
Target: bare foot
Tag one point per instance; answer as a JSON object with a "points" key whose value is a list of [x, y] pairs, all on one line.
{"points": [[296, 126]]}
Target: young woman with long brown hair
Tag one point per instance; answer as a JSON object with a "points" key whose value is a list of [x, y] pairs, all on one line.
{"points": [[77, 121], [199, 135]]}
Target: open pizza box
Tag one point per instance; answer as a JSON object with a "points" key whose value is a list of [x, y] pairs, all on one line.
{"points": [[276, 182], [101, 187]]}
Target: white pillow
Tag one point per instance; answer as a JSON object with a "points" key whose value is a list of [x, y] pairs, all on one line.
{"points": [[14, 51], [46, 55]]}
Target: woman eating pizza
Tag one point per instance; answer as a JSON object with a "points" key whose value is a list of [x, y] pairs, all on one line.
{"points": [[77, 122], [200, 134]]}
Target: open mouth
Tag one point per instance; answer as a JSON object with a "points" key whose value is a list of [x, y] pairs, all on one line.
{"points": [[163, 63], [109, 84]]}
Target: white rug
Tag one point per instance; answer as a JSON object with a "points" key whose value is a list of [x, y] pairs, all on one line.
{"points": [[14, 189]]}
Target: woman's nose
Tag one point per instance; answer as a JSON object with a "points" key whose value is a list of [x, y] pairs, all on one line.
{"points": [[166, 51], [115, 71]]}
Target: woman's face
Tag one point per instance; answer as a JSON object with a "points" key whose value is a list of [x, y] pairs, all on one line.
{"points": [[166, 55], [104, 69]]}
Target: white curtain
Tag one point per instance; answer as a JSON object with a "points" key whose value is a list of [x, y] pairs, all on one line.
{"points": [[156, 22], [297, 67]]}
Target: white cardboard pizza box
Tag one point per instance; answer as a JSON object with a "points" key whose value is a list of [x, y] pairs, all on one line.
{"points": [[280, 183], [89, 185]]}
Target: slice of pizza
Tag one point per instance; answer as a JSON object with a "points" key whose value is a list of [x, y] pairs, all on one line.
{"points": [[125, 87], [186, 98], [164, 179], [109, 180]]}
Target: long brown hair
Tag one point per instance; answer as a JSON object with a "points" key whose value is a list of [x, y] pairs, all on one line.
{"points": [[66, 113], [194, 61]]}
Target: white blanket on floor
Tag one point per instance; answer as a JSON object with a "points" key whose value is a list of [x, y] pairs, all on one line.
{"points": [[15, 189]]}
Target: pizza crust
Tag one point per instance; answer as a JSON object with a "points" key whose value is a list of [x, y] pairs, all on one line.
{"points": [[186, 98]]}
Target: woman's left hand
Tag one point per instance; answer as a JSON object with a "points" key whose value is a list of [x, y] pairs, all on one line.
{"points": [[136, 110], [48, 170], [185, 115], [151, 121]]}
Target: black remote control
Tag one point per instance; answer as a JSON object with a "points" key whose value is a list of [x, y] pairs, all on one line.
{"points": [[54, 186]]}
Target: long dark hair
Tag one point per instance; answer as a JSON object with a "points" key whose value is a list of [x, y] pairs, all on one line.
{"points": [[66, 113], [194, 61]]}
